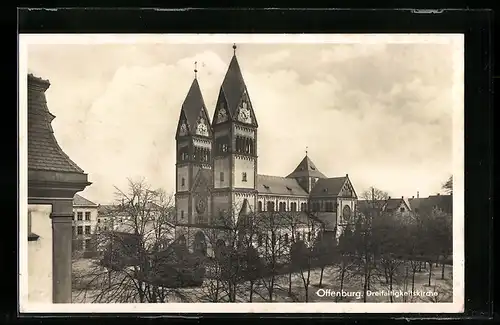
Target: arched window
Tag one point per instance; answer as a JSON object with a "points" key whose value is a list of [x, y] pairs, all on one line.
{"points": [[346, 212], [270, 206], [259, 204]]}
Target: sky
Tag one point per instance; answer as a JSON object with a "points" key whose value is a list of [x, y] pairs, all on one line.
{"points": [[379, 112]]}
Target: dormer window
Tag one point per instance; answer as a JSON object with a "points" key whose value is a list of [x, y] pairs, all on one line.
{"points": [[312, 167], [266, 187], [288, 188]]}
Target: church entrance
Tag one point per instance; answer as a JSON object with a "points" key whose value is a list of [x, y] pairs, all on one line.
{"points": [[200, 243]]}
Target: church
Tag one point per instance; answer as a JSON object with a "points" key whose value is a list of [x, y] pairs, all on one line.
{"points": [[217, 167]]}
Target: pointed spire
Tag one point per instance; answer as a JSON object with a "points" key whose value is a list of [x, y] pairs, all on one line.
{"points": [[233, 85], [194, 104], [306, 168], [245, 210]]}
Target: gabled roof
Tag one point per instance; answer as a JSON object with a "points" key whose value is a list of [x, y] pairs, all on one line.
{"points": [[392, 204], [306, 168], [442, 202], [279, 186], [387, 205], [203, 175], [44, 153], [79, 200], [245, 210], [328, 186], [233, 85], [194, 105]]}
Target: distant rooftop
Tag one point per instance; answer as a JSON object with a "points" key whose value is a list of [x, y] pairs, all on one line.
{"points": [[79, 200]]}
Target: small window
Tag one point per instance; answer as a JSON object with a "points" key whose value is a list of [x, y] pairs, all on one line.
{"points": [[402, 209], [182, 214], [183, 182], [79, 216], [87, 216], [79, 230], [244, 176], [98, 220], [87, 230], [259, 204], [222, 176]]}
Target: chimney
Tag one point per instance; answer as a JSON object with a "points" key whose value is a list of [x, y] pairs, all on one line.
{"points": [[438, 194], [413, 196], [418, 194], [389, 197]]}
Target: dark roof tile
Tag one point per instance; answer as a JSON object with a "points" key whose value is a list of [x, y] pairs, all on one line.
{"points": [[328, 186], [306, 168], [279, 186], [79, 200], [44, 153]]}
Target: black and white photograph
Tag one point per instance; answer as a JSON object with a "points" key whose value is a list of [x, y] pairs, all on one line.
{"points": [[225, 172]]}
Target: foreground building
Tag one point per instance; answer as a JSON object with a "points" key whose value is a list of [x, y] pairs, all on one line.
{"points": [[53, 181], [217, 169]]}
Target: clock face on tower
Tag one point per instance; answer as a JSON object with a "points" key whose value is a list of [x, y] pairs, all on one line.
{"points": [[202, 128], [244, 115]]}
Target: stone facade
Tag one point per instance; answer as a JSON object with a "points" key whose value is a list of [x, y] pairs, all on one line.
{"points": [[231, 168]]}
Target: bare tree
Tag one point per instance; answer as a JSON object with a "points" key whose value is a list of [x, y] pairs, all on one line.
{"points": [[448, 185], [140, 263]]}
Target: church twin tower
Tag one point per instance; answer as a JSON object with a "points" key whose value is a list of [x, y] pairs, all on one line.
{"points": [[216, 164]]}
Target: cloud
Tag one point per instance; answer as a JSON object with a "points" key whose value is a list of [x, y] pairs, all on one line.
{"points": [[382, 114]]}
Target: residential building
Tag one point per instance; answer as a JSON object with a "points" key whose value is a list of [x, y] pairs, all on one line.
{"points": [[391, 206], [441, 202], [217, 168], [53, 181], [84, 223]]}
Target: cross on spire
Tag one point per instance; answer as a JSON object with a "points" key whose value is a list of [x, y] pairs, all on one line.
{"points": [[195, 69], [234, 48], [306, 149]]}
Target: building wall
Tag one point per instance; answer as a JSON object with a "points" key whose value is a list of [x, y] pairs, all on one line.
{"points": [[183, 172], [92, 223], [40, 255], [221, 201], [182, 205], [244, 165], [342, 202], [221, 164], [265, 198]]}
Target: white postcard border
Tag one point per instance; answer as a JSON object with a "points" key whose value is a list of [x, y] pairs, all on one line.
{"points": [[324, 307]]}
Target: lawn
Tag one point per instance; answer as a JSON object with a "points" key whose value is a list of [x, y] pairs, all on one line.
{"points": [[353, 285]]}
